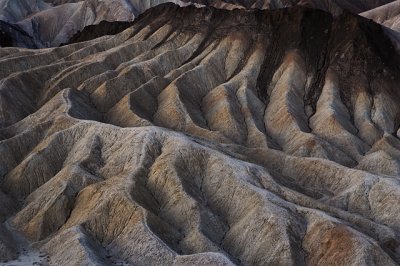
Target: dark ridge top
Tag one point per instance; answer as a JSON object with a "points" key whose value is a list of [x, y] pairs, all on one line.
{"points": [[316, 33], [95, 31], [5, 39]]}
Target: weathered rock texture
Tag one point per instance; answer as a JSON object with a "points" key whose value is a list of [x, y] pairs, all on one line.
{"points": [[13, 36], [50, 23], [204, 136], [333, 6], [387, 15]]}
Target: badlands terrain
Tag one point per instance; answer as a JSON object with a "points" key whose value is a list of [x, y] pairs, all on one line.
{"points": [[50, 23], [203, 136]]}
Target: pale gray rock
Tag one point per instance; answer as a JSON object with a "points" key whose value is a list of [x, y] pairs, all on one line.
{"points": [[387, 15], [53, 22], [13, 11], [8, 249]]}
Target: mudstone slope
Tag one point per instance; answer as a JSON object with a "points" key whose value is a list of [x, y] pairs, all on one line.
{"points": [[51, 23], [333, 6], [205, 136]]}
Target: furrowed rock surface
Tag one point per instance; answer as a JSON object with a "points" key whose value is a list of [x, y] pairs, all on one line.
{"points": [[50, 23], [205, 136], [333, 6]]}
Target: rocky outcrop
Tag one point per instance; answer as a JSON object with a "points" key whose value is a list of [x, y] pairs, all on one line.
{"points": [[205, 136]]}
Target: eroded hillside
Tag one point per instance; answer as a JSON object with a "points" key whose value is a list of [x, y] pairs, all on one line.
{"points": [[205, 136]]}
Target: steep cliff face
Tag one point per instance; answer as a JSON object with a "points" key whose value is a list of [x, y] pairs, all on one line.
{"points": [[205, 136]]}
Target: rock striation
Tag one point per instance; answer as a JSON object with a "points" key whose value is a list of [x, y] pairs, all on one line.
{"points": [[50, 23], [205, 136], [335, 7], [387, 15]]}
